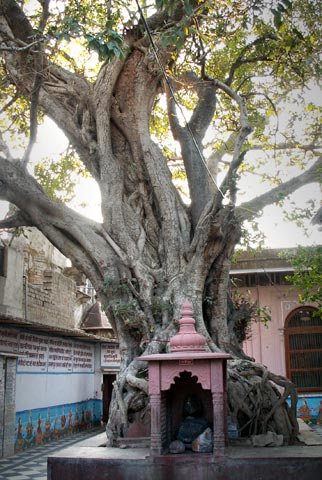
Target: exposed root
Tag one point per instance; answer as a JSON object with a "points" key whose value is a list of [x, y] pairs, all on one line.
{"points": [[118, 415], [139, 383], [257, 403]]}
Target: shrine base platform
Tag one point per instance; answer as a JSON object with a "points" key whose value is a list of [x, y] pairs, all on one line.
{"points": [[240, 463]]}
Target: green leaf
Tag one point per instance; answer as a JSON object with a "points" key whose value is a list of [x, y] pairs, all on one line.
{"points": [[278, 20], [188, 7], [59, 178]]}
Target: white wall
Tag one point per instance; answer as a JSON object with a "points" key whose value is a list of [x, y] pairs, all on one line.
{"points": [[38, 390]]}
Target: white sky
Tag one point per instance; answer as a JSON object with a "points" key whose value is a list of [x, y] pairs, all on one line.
{"points": [[279, 233]]}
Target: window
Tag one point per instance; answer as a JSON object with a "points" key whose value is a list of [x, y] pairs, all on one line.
{"points": [[303, 349]]}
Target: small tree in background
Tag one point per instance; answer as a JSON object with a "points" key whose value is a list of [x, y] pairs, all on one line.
{"points": [[307, 276]]}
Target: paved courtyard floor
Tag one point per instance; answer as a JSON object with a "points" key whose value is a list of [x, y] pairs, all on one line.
{"points": [[31, 464]]}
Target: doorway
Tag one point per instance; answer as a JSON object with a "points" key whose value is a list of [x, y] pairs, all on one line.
{"points": [[108, 380], [7, 405]]}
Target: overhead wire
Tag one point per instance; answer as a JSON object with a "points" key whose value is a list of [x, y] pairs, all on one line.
{"points": [[164, 73]]}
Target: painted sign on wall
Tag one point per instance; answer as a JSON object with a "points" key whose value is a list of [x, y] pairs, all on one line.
{"points": [[83, 358], [44, 354], [9, 340], [110, 355], [34, 350], [60, 355]]}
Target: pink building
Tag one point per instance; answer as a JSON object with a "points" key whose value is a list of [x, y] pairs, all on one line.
{"points": [[291, 343]]}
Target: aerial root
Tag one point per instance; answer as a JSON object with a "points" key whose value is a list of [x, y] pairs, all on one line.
{"points": [[257, 401]]}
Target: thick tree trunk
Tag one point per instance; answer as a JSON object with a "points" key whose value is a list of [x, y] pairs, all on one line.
{"points": [[254, 404]]}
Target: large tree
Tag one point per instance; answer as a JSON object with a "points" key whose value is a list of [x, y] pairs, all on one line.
{"points": [[124, 83]]}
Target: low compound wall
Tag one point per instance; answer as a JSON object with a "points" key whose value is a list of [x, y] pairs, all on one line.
{"points": [[93, 465]]}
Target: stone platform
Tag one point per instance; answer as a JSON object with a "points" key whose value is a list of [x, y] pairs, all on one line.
{"points": [[87, 460]]}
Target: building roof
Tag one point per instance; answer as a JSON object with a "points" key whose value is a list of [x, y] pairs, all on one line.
{"points": [[10, 321], [95, 319], [268, 260]]}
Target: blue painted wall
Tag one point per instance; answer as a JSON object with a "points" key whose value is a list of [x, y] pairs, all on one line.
{"points": [[42, 425]]}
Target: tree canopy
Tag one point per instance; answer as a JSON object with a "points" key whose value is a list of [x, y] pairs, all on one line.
{"points": [[264, 55], [156, 100]]}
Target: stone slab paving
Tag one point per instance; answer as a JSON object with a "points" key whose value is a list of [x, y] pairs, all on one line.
{"points": [[317, 428], [31, 464], [310, 434]]}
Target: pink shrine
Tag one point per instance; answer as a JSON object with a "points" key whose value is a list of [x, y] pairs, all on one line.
{"points": [[188, 369]]}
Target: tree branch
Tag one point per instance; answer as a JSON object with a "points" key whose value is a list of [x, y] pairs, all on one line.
{"points": [[176, 128], [44, 16], [190, 138], [5, 149], [162, 18], [62, 95], [58, 222], [19, 219], [17, 20], [8, 104], [205, 108], [139, 383], [216, 157], [102, 95], [4, 48], [317, 219], [250, 209], [309, 147], [34, 98], [229, 181], [241, 61]]}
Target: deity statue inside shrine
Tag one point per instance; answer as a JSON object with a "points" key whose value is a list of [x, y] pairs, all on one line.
{"points": [[194, 430], [193, 423]]}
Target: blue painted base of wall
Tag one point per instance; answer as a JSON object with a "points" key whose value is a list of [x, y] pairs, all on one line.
{"points": [[309, 408], [42, 425]]}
